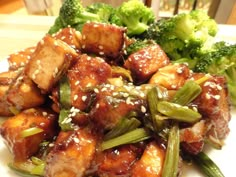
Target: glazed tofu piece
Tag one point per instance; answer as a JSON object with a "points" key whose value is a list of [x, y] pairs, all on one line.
{"points": [[171, 77], [72, 154], [102, 39], [111, 105], [151, 162], [23, 93], [213, 104], [20, 58], [145, 62], [23, 147], [192, 138], [49, 62], [6, 79], [70, 36], [87, 73], [117, 161]]}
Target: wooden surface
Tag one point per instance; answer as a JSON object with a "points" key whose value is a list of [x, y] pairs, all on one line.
{"points": [[232, 17], [10, 6]]}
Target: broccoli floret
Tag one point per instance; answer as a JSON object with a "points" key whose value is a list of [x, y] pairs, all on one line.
{"points": [[135, 16], [56, 26], [72, 12], [183, 35], [137, 45], [218, 60], [103, 10], [114, 18], [222, 61]]}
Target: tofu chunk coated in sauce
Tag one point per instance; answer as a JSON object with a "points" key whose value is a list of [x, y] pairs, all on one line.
{"points": [[50, 61]]}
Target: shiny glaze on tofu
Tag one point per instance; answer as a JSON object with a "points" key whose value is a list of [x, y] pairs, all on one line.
{"points": [[118, 161], [192, 137], [49, 62], [70, 36], [23, 93], [6, 79], [150, 163], [20, 58], [213, 104], [110, 106], [87, 73], [145, 62], [171, 77], [24, 147], [102, 39], [72, 154]]}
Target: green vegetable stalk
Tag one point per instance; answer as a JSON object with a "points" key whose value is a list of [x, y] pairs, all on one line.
{"points": [[134, 136], [170, 168], [208, 167], [178, 112]]}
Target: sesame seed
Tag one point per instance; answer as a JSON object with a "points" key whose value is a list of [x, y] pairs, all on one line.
{"points": [[208, 96], [218, 87], [89, 84], [97, 105], [44, 113], [76, 140], [195, 109], [96, 90], [84, 98], [104, 89], [75, 97], [77, 82], [51, 144], [143, 109], [217, 97], [101, 53], [55, 43]]}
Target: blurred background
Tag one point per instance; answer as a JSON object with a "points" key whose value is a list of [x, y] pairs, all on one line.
{"points": [[223, 11]]}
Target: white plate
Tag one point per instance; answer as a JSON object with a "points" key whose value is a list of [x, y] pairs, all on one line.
{"points": [[224, 158]]}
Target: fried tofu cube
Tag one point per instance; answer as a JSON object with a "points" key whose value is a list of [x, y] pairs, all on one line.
{"points": [[102, 39], [72, 154], [145, 62], [24, 147], [49, 62], [110, 106], [87, 73], [6, 79], [213, 103], [171, 77], [151, 162], [117, 161], [23, 93], [20, 58], [70, 36]]}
